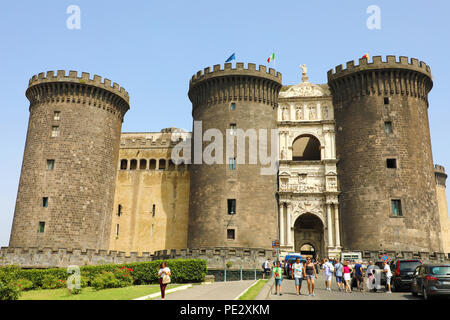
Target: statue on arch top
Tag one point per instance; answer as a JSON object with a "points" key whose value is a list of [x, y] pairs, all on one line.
{"points": [[304, 72]]}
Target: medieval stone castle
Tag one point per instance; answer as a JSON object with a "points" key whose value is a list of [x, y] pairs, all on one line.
{"points": [[355, 170]]}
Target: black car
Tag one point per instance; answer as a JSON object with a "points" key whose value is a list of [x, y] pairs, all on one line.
{"points": [[403, 273], [431, 280]]}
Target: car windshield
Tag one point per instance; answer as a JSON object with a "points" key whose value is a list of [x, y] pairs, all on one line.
{"points": [[409, 265], [441, 270]]}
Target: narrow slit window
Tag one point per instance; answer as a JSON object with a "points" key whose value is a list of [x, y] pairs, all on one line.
{"points": [[119, 210], [41, 227], [153, 210], [231, 206], [45, 202], [117, 230]]}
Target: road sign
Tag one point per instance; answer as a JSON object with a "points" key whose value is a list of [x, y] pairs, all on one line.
{"points": [[385, 257], [275, 243]]}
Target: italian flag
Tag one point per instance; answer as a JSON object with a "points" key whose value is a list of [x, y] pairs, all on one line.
{"points": [[271, 58]]}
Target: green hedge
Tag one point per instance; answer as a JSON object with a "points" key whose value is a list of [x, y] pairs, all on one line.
{"points": [[183, 271]]}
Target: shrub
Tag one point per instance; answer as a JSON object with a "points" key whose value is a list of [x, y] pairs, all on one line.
{"points": [[105, 280], [183, 271], [52, 282], [9, 287], [24, 284]]}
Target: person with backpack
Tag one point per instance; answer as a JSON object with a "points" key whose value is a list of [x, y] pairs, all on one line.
{"points": [[359, 275], [278, 275], [328, 270], [338, 272], [266, 268]]}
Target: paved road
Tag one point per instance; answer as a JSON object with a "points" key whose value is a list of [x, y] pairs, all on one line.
{"points": [[215, 291], [289, 293]]}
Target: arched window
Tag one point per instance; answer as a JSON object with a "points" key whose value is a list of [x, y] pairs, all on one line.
{"points": [[133, 164], [152, 164], [123, 164], [306, 148], [142, 164], [162, 164]]}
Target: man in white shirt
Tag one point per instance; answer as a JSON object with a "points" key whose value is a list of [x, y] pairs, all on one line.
{"points": [[297, 274], [267, 267], [388, 272], [328, 270]]}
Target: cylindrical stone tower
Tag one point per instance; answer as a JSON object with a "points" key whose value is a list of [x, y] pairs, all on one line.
{"points": [[385, 167], [441, 177], [232, 204], [66, 189]]}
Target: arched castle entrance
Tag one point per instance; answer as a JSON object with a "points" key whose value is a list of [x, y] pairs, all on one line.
{"points": [[308, 235]]}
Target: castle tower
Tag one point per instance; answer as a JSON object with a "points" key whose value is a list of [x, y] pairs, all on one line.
{"points": [[66, 189], [383, 146], [233, 204], [441, 177]]}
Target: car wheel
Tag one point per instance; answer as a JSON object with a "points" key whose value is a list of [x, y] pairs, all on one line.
{"points": [[425, 294]]}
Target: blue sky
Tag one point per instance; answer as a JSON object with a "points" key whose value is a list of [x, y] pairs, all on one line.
{"points": [[153, 48]]}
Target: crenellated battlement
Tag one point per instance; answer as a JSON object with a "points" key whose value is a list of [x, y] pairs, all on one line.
{"points": [[240, 69], [391, 62], [382, 78], [85, 78], [439, 168]]}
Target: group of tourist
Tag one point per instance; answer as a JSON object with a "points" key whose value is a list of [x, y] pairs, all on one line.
{"points": [[343, 272]]}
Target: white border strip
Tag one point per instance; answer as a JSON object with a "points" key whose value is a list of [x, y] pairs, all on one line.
{"points": [[155, 295]]}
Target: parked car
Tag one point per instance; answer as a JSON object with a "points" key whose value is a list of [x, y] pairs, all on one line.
{"points": [[431, 280], [403, 273]]}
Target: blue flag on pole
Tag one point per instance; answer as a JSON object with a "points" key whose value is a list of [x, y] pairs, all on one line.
{"points": [[232, 57]]}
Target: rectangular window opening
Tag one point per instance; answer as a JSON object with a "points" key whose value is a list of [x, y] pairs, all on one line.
{"points": [[119, 210], [232, 129], [388, 127], [232, 163], [391, 163], [386, 100], [396, 208], [50, 164], [55, 131], [41, 227], [45, 202], [231, 234], [231, 206], [233, 106], [56, 115]]}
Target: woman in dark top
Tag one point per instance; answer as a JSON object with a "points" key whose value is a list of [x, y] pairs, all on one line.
{"points": [[310, 272]]}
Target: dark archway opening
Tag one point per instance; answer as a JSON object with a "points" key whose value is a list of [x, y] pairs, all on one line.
{"points": [[306, 148]]}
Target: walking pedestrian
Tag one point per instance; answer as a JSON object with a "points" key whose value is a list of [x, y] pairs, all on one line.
{"points": [[278, 275], [388, 272], [310, 271], [359, 275], [347, 271], [297, 274], [328, 272], [164, 278], [338, 272]]}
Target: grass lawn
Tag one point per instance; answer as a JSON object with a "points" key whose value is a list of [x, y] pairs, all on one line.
{"points": [[126, 293], [253, 291]]}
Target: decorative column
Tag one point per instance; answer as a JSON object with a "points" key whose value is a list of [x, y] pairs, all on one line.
{"points": [[282, 223], [336, 224], [329, 226], [288, 224]]}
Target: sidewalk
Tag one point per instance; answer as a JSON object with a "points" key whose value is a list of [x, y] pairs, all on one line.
{"points": [[214, 291]]}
